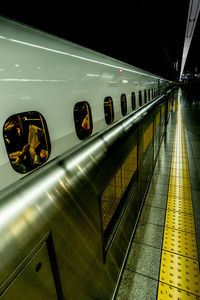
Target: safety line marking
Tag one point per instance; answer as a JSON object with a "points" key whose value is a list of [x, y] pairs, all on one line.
{"points": [[179, 269]]}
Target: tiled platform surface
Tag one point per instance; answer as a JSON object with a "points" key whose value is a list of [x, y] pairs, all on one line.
{"points": [[141, 274]]}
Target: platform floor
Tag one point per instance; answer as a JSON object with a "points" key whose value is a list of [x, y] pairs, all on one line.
{"points": [[163, 262]]}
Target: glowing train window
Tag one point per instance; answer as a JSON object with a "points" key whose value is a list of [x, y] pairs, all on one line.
{"points": [[133, 102], [123, 105], [108, 110], [83, 120], [27, 141], [140, 98]]}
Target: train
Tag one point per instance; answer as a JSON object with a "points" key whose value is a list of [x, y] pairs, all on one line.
{"points": [[55, 94], [80, 135]]}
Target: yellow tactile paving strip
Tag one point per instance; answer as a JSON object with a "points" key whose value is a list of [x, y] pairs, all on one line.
{"points": [[180, 242], [180, 221], [179, 270]]}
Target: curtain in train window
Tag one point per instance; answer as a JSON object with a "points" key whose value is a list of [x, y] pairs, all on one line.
{"points": [[140, 98], [83, 120], [27, 141], [123, 105], [108, 110], [133, 101]]}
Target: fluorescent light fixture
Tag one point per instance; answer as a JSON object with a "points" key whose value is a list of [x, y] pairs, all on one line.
{"points": [[193, 14]]}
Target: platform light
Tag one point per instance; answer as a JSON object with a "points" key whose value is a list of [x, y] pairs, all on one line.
{"points": [[193, 14]]}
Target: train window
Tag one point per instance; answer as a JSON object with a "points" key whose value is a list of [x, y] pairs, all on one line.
{"points": [[133, 102], [152, 95], [123, 105], [145, 96], [83, 120], [108, 110], [140, 98], [149, 95], [27, 141]]}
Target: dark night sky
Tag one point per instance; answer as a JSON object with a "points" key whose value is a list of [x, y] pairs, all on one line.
{"points": [[147, 34]]}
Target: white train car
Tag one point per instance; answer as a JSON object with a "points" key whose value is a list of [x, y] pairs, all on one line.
{"points": [[54, 94]]}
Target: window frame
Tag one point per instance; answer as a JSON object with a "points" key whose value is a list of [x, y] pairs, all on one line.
{"points": [[28, 157], [81, 132], [152, 94], [149, 95], [133, 100], [123, 105], [112, 116], [140, 98], [145, 96]]}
